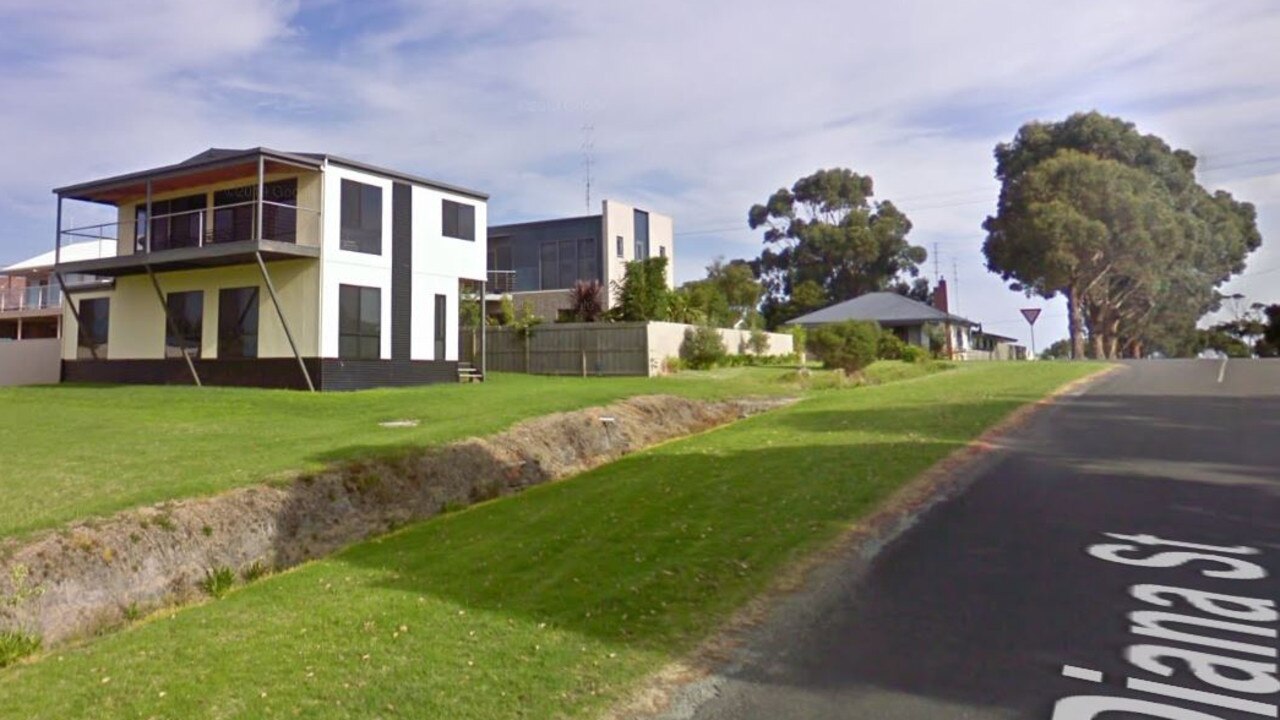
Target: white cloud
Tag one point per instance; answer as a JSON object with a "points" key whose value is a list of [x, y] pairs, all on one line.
{"points": [[699, 109]]}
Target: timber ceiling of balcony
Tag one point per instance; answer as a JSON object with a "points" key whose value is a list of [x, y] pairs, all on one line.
{"points": [[212, 166]]}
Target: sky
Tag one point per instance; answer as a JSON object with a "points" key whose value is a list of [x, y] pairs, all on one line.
{"points": [[693, 109]]}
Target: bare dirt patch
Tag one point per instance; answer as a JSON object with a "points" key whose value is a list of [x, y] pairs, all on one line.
{"points": [[93, 575]]}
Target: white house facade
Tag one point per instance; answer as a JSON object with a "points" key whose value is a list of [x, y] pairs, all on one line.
{"points": [[262, 268]]}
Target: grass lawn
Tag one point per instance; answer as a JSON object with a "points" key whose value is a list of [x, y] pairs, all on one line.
{"points": [[547, 604], [76, 451]]}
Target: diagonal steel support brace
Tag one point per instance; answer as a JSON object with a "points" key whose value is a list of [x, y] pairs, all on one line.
{"points": [[164, 307], [271, 290]]}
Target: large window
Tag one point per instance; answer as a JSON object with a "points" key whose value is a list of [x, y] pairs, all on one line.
{"points": [[94, 322], [459, 220], [185, 324], [238, 322], [233, 212], [642, 234], [564, 262], [361, 218], [175, 223], [359, 323]]}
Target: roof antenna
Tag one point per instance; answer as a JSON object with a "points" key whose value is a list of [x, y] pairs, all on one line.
{"points": [[588, 157], [937, 274], [955, 283]]}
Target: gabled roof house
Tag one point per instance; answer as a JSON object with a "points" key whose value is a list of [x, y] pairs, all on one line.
{"points": [[911, 320]]}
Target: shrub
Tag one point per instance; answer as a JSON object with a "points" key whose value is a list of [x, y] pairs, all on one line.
{"points": [[890, 346], [218, 582], [849, 346], [914, 354], [586, 301], [672, 365], [799, 341], [15, 646], [702, 347], [759, 342]]}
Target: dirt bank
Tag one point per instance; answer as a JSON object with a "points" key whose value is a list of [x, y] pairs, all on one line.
{"points": [[82, 578]]}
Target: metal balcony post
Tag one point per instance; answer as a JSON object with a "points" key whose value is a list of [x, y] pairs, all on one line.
{"points": [[57, 238], [257, 232], [147, 231], [271, 290]]}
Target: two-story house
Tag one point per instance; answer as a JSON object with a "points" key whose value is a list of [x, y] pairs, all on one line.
{"points": [[538, 262], [274, 269]]}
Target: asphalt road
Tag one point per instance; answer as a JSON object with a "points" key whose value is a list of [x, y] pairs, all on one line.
{"points": [[992, 605]]}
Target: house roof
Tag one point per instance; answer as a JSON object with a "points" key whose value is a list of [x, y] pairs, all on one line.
{"points": [[74, 252], [886, 308], [216, 162], [1002, 338]]}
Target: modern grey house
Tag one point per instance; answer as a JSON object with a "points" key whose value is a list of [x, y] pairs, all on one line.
{"points": [[537, 262], [911, 320]]}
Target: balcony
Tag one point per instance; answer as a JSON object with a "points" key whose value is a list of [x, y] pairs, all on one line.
{"points": [[202, 237], [31, 300], [501, 282]]}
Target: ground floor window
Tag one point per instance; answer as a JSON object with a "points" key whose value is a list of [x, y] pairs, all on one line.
{"points": [[94, 318], [359, 322], [185, 325], [238, 322]]}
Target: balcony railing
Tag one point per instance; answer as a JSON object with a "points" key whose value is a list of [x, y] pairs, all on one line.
{"points": [[501, 282], [236, 222], [43, 297]]}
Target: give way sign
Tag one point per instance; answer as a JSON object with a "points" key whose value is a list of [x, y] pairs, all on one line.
{"points": [[1031, 314]]}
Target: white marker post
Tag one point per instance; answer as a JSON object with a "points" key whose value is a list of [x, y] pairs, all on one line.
{"points": [[1031, 314]]}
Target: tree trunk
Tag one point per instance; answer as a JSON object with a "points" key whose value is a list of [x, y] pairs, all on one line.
{"points": [[1075, 324]]}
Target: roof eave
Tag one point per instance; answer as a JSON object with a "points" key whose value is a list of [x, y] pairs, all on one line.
{"points": [[178, 169]]}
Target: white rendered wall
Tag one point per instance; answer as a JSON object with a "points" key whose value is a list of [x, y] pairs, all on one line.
{"points": [[439, 262], [344, 267]]}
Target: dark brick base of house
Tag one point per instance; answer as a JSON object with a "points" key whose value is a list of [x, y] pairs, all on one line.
{"points": [[280, 373]]}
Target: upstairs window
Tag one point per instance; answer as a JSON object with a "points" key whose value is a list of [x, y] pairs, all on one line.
{"points": [[233, 212], [620, 244], [641, 219], [184, 326], [359, 323], [459, 220], [175, 223], [361, 218], [238, 322], [94, 323]]}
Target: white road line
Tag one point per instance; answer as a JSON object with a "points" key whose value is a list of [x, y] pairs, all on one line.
{"points": [[1079, 673], [1222, 371]]}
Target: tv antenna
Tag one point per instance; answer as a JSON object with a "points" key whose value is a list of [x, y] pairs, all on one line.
{"points": [[588, 157], [955, 282], [937, 274]]}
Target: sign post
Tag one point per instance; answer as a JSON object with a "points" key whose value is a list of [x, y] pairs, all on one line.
{"points": [[1031, 314]]}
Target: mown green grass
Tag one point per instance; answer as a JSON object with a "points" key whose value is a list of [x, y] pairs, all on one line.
{"points": [[72, 452], [552, 603]]}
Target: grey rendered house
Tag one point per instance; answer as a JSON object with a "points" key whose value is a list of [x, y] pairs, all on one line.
{"points": [[537, 262]]}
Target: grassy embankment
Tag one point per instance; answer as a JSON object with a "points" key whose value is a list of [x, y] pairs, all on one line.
{"points": [[551, 603]]}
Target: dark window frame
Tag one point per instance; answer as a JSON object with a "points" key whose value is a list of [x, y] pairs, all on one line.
{"points": [[168, 233], [359, 327], [237, 224], [184, 323], [238, 322], [621, 242], [360, 224], [457, 220], [94, 329]]}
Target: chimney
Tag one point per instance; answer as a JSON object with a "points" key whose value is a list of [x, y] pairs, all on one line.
{"points": [[940, 295]]}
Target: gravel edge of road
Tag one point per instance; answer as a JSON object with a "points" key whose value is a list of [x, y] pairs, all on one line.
{"points": [[794, 599]]}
